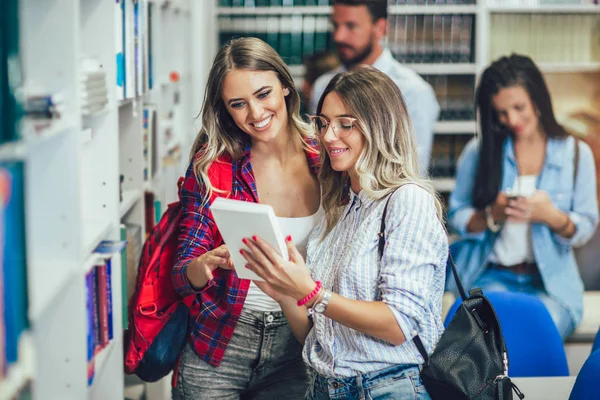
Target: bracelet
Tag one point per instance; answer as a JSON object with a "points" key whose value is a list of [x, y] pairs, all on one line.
{"points": [[310, 295], [489, 220]]}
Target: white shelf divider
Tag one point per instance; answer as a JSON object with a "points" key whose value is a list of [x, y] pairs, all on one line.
{"points": [[130, 197], [452, 127]]}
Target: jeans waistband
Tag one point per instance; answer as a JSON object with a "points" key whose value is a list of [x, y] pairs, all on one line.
{"points": [[259, 318], [365, 381]]}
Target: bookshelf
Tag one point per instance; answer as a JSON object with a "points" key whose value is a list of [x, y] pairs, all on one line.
{"points": [[72, 162], [498, 27]]}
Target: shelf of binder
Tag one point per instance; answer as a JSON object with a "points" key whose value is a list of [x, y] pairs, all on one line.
{"points": [[455, 127], [326, 10]]}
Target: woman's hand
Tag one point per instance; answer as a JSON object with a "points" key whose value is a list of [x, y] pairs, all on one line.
{"points": [[537, 208], [200, 271], [284, 277], [499, 208]]}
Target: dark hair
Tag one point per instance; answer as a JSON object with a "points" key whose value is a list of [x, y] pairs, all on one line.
{"points": [[515, 70], [377, 8]]}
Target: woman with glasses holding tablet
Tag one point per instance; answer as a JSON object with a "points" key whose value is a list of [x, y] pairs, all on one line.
{"points": [[362, 305]]}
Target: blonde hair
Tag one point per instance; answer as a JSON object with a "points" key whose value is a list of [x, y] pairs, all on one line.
{"points": [[389, 158], [219, 133]]}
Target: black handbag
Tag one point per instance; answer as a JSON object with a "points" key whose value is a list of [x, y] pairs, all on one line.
{"points": [[470, 360]]}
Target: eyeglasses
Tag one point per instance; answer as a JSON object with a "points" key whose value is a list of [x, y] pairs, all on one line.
{"points": [[342, 126]]}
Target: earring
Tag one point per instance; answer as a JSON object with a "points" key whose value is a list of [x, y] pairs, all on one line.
{"points": [[286, 91]]}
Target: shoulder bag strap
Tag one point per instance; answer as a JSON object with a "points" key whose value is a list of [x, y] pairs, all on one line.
{"points": [[380, 247]]}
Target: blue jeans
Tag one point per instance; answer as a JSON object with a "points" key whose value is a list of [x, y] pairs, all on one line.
{"points": [[498, 280], [399, 382]]}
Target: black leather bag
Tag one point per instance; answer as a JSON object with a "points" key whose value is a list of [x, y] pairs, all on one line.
{"points": [[470, 360]]}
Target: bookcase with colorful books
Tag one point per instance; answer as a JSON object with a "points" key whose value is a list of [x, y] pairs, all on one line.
{"points": [[449, 42], [85, 86]]}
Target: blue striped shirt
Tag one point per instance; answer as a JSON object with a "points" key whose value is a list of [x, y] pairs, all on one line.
{"points": [[409, 279]]}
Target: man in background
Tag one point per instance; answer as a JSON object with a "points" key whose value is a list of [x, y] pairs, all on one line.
{"points": [[359, 27]]}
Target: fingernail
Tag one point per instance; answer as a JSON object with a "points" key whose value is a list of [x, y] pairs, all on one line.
{"points": [[247, 265], [245, 241], [241, 252], [288, 238], [254, 238]]}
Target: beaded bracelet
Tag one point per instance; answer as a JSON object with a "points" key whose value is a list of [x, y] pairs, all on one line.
{"points": [[311, 294]]}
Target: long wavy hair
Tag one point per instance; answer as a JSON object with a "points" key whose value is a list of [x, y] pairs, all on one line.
{"points": [[514, 70], [219, 133], [389, 159]]}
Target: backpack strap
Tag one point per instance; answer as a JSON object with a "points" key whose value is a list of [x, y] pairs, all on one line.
{"points": [[380, 248]]}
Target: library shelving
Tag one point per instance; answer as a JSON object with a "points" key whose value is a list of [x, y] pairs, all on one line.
{"points": [[449, 39], [104, 93]]}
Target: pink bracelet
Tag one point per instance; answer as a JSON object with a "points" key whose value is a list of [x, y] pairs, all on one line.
{"points": [[311, 294]]}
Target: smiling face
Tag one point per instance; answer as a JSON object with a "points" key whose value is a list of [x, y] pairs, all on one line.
{"points": [[516, 111], [343, 152], [256, 102]]}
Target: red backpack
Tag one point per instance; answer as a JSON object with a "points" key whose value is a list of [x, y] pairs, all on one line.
{"points": [[158, 315]]}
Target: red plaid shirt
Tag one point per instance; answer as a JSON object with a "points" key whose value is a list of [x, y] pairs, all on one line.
{"points": [[216, 307]]}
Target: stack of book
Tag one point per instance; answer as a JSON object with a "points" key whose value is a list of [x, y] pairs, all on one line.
{"points": [[133, 44], [272, 3], [13, 265], [293, 36], [438, 38], [455, 94], [445, 153], [94, 96], [99, 301], [550, 38]]}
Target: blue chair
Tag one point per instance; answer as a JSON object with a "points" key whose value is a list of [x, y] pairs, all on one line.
{"points": [[534, 345], [587, 384], [596, 344]]}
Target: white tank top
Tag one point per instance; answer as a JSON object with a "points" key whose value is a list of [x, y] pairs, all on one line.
{"points": [[513, 245], [299, 229]]}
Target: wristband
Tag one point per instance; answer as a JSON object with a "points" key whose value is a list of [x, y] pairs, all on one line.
{"points": [[312, 294], [489, 219]]}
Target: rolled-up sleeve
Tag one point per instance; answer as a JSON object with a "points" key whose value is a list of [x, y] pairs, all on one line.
{"points": [[413, 265], [584, 211], [460, 205], [195, 233]]}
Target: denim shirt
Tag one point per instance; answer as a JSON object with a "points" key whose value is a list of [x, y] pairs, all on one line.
{"points": [[553, 253]]}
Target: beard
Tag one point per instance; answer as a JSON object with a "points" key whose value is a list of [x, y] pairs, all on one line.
{"points": [[358, 58]]}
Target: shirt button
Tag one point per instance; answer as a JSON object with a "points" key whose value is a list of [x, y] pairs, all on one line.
{"points": [[270, 318]]}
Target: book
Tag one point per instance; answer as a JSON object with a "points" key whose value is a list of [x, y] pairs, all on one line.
{"points": [[240, 219]]}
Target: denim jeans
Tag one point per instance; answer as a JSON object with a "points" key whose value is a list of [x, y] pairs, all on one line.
{"points": [[499, 280], [400, 382], [263, 361]]}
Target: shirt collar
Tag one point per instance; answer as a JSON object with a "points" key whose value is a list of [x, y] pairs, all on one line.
{"points": [[554, 154], [384, 60]]}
